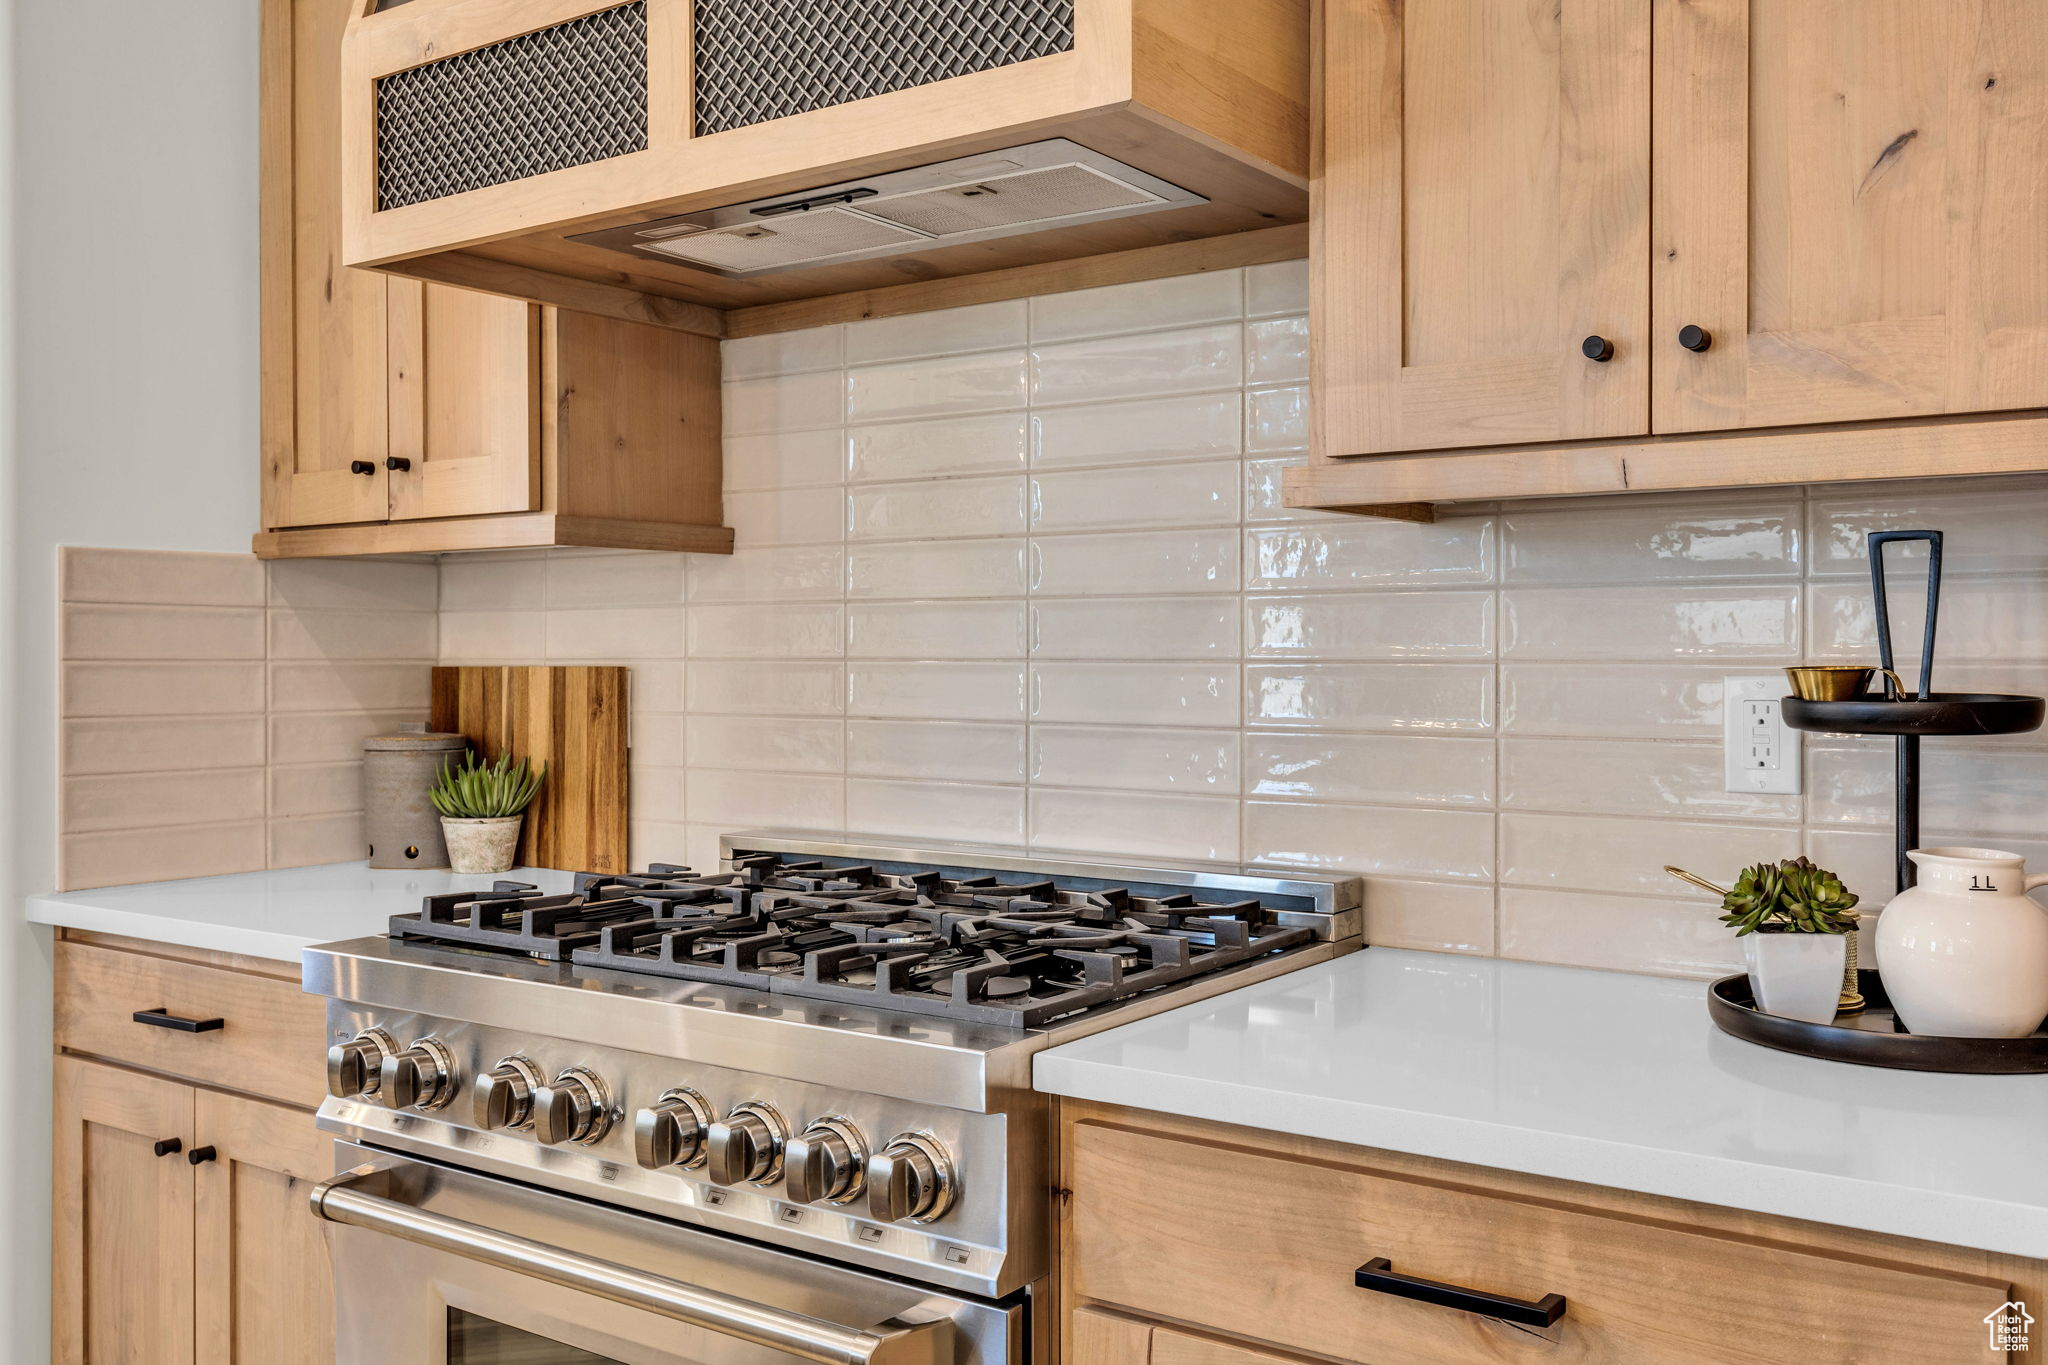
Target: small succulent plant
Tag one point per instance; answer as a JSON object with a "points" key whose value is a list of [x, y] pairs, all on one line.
{"points": [[480, 791], [1790, 897]]}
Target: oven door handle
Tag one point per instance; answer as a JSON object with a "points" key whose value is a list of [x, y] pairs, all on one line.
{"points": [[807, 1338]]}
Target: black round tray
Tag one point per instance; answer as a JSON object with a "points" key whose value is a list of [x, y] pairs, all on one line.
{"points": [[1943, 713], [1873, 1037]]}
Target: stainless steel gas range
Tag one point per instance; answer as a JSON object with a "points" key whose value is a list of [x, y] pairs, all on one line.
{"points": [[780, 1112]]}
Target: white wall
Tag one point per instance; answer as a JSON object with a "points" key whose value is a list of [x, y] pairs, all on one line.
{"points": [[133, 289]]}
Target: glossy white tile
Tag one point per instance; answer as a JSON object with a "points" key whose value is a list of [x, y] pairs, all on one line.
{"points": [[493, 637], [1281, 287], [1439, 698], [938, 691], [948, 332], [1137, 366], [1443, 917], [1135, 627], [783, 630], [592, 635], [1135, 694], [756, 800], [933, 569], [1629, 777], [1373, 840], [355, 585], [1276, 419], [935, 630], [813, 348], [786, 516], [1142, 432], [947, 751], [765, 744], [469, 584], [1639, 701], [1760, 623], [791, 573], [1380, 625], [1755, 538], [615, 580], [780, 688], [787, 459], [1981, 619], [1983, 788], [1611, 853], [1178, 301], [1276, 351], [1432, 770], [992, 444], [1134, 824], [1620, 933], [1199, 494], [1139, 562], [940, 387], [1988, 525], [1204, 762], [941, 509], [949, 811], [796, 402]]}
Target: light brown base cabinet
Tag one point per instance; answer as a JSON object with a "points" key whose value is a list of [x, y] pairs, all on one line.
{"points": [[1257, 1266], [181, 1233]]}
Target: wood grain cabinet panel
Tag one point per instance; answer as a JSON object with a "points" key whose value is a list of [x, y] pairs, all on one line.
{"points": [[1482, 208], [1852, 198], [465, 402], [1288, 1231]]}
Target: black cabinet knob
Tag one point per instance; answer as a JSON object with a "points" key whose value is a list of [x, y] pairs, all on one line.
{"points": [[397, 463], [1597, 348], [1694, 337], [199, 1156], [361, 467], [169, 1146]]}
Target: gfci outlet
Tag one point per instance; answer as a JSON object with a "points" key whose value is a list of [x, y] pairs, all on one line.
{"points": [[1762, 752]]}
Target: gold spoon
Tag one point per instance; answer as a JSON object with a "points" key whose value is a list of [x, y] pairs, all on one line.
{"points": [[1701, 882]]}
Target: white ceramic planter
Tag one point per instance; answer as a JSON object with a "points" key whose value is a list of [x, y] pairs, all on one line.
{"points": [[482, 846], [1797, 976], [1964, 954]]}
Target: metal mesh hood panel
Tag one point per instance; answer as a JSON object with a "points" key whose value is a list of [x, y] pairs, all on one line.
{"points": [[554, 98], [758, 60]]}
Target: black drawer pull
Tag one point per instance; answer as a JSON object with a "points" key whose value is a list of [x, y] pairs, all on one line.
{"points": [[157, 1018], [1378, 1274], [169, 1146], [199, 1156]]}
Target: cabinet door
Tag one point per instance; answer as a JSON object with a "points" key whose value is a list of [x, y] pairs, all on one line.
{"points": [[323, 364], [465, 402], [122, 1257], [1095, 1338], [1482, 207], [264, 1296], [1850, 199]]}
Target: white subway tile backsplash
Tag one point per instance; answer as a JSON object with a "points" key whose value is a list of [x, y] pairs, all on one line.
{"points": [[1135, 694], [1276, 419], [1140, 562], [785, 630], [1627, 856], [352, 634], [1432, 698], [1984, 788], [1179, 301], [1444, 917], [614, 579], [1140, 627], [1433, 770], [797, 402], [1276, 352], [949, 751], [1628, 777], [794, 573], [1136, 366], [1988, 525], [163, 633], [764, 744], [940, 691], [814, 348], [756, 800], [950, 332], [930, 569], [954, 507], [1199, 494], [1143, 432], [355, 585], [1634, 545], [786, 516], [1365, 554], [1626, 933], [615, 634], [1759, 623], [948, 811], [1981, 619], [160, 577], [779, 688], [1204, 762], [991, 382], [1372, 840], [1281, 287], [472, 584], [788, 459], [992, 444], [1386, 625], [162, 689], [161, 744], [1135, 825], [1639, 701], [493, 637], [935, 630]]}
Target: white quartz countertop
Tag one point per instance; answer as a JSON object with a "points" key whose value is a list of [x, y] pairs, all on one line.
{"points": [[1600, 1077], [265, 914]]}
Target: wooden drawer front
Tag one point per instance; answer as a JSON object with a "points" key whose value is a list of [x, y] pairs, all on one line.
{"points": [[271, 1042], [1266, 1247]]}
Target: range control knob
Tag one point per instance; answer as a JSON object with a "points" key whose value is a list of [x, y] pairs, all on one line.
{"points": [[503, 1096], [575, 1106], [826, 1162], [746, 1145], [911, 1179], [421, 1077], [672, 1132], [352, 1066]]}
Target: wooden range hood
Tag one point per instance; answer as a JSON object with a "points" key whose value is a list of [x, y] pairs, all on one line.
{"points": [[482, 138]]}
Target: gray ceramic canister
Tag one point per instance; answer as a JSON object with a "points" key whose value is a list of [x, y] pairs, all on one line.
{"points": [[398, 770]]}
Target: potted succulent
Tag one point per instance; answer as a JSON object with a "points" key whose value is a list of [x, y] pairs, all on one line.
{"points": [[481, 809], [1793, 918]]}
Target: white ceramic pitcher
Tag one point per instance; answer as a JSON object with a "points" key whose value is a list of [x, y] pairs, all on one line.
{"points": [[1964, 954]]}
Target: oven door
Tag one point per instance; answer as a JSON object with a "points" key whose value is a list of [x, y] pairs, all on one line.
{"points": [[436, 1265]]}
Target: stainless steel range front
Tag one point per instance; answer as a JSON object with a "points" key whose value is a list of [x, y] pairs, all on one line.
{"points": [[778, 1112]]}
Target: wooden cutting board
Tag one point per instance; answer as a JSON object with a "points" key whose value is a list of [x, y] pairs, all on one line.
{"points": [[573, 718]]}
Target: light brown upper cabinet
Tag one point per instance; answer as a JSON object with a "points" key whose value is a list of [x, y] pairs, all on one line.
{"points": [[401, 417], [667, 160], [1483, 220], [1582, 246]]}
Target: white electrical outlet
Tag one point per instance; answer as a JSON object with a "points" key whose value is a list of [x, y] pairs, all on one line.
{"points": [[1762, 752]]}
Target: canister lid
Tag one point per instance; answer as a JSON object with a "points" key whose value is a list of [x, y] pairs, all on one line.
{"points": [[413, 736]]}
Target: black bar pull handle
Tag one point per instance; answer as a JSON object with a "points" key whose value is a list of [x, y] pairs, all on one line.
{"points": [[1378, 1274], [158, 1018]]}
